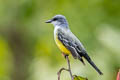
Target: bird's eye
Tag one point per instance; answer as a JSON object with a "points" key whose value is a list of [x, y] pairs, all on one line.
{"points": [[54, 19]]}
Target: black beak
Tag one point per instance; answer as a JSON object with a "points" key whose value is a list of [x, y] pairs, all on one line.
{"points": [[49, 21]]}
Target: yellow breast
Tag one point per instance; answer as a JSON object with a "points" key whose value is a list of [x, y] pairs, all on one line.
{"points": [[61, 46]]}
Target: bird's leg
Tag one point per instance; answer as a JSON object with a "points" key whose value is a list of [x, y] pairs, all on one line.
{"points": [[69, 68]]}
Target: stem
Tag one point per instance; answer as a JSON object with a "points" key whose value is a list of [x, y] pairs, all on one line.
{"points": [[59, 72], [69, 68]]}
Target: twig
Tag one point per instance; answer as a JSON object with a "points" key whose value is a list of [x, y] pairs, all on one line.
{"points": [[69, 68], [59, 72]]}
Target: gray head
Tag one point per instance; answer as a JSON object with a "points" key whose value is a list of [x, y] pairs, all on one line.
{"points": [[58, 20]]}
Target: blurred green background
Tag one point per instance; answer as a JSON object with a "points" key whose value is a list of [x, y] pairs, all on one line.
{"points": [[27, 47]]}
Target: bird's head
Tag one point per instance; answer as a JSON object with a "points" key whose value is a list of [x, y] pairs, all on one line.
{"points": [[58, 20]]}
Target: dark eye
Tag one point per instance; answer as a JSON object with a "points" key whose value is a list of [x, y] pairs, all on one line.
{"points": [[54, 19]]}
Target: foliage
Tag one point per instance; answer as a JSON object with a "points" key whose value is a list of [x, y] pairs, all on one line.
{"points": [[79, 78], [27, 48]]}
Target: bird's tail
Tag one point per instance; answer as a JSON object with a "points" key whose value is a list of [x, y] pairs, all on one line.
{"points": [[92, 64], [95, 67]]}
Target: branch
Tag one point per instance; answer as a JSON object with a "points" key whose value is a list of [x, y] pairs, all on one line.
{"points": [[73, 77]]}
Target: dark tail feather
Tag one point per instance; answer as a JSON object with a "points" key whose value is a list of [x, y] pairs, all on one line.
{"points": [[80, 58], [82, 61], [92, 64], [95, 67]]}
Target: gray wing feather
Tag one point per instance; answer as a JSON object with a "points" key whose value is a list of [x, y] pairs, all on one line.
{"points": [[71, 46], [67, 44], [76, 48]]}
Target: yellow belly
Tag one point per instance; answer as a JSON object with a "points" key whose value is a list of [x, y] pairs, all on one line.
{"points": [[62, 47]]}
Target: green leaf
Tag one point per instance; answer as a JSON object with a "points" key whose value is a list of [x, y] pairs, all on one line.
{"points": [[79, 78]]}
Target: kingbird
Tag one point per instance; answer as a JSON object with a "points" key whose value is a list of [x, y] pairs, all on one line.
{"points": [[67, 42]]}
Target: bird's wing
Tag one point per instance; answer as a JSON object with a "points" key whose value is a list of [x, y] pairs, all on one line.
{"points": [[76, 48], [68, 42]]}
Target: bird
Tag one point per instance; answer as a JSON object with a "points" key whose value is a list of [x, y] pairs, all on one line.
{"points": [[67, 42]]}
